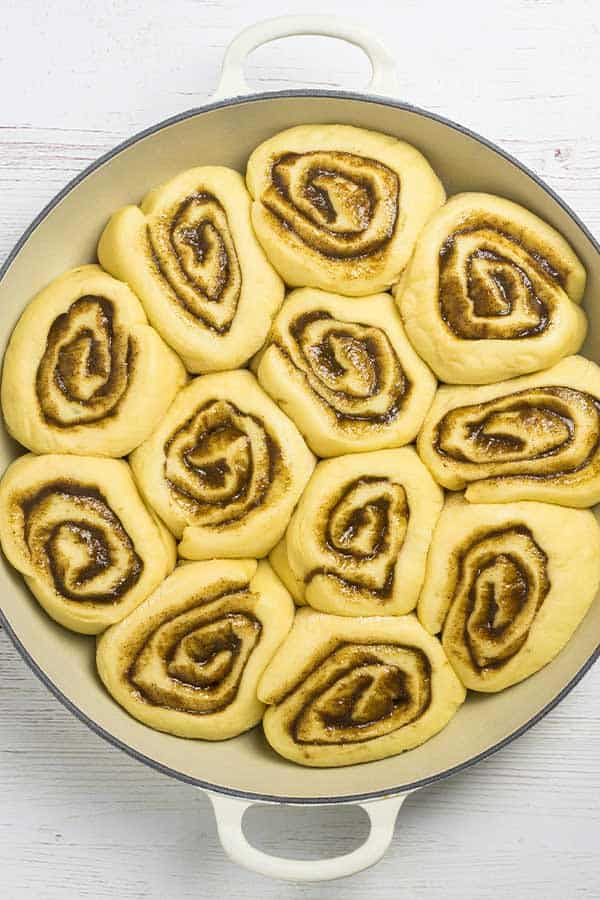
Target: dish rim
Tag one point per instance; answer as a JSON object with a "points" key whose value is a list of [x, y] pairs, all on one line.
{"points": [[20, 646]]}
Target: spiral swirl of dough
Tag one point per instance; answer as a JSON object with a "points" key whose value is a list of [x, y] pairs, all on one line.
{"points": [[359, 537], [188, 660], [350, 690], [190, 254], [78, 365], [344, 370], [339, 208], [77, 529], [341, 205], [536, 437], [221, 463], [508, 585], [224, 469], [491, 292]]}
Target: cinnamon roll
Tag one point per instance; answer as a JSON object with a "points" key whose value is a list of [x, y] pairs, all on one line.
{"points": [[188, 660], [190, 254], [78, 367], [224, 469], [531, 438], [345, 372], [508, 585], [344, 691], [359, 537], [76, 528], [492, 291], [280, 563], [338, 207]]}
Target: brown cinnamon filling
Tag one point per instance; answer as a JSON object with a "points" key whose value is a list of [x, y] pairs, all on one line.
{"points": [[90, 530], [87, 363], [341, 205], [493, 284], [359, 692]]}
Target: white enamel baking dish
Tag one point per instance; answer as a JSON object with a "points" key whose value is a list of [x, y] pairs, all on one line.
{"points": [[240, 772]]}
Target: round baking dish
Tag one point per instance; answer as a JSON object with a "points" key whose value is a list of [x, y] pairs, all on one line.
{"points": [[244, 770]]}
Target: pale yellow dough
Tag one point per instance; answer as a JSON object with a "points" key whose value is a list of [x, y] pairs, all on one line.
{"points": [[225, 468], [187, 661], [81, 369], [508, 584], [77, 529], [344, 371], [491, 292], [344, 691], [278, 557], [190, 254], [359, 536], [531, 438], [338, 207]]}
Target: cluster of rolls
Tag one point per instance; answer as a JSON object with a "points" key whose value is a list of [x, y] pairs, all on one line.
{"points": [[293, 450]]}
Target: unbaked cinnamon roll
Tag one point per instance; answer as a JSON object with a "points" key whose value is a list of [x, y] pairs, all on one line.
{"points": [[359, 537], [344, 371], [492, 291], [79, 368], [190, 254], [344, 691], [77, 529], [224, 469], [508, 585], [187, 661], [531, 438], [338, 207]]}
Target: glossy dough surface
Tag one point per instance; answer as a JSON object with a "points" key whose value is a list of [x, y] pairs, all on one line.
{"points": [[78, 366], [531, 438], [508, 584], [76, 527], [225, 468], [187, 661], [344, 371], [338, 207], [344, 691], [491, 292], [190, 254], [359, 536]]}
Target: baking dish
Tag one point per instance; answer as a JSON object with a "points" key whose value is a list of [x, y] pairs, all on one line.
{"points": [[244, 771]]}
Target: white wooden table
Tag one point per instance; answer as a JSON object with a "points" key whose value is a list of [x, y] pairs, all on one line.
{"points": [[77, 817]]}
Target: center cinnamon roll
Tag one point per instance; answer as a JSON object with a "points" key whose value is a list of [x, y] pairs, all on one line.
{"points": [[507, 584], [345, 372], [359, 536], [339, 208], [344, 691], [491, 291], [189, 659], [224, 469], [221, 463], [531, 438]]}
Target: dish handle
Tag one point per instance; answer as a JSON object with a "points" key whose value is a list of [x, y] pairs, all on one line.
{"points": [[229, 813], [233, 84]]}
